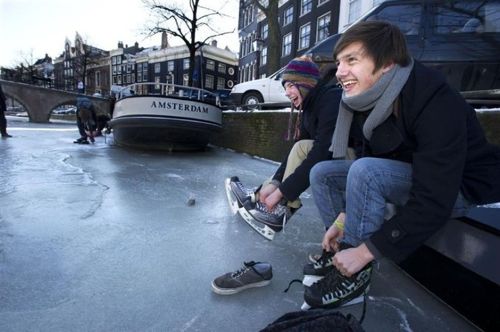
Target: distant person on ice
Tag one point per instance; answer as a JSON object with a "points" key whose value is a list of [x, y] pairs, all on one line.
{"points": [[86, 121], [419, 146], [3, 109], [317, 104]]}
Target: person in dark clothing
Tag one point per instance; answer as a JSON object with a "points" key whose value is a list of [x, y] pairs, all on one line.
{"points": [[311, 132], [420, 147], [3, 109], [86, 121]]}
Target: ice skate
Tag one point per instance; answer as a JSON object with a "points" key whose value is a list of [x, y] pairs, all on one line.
{"points": [[260, 228], [237, 194]]}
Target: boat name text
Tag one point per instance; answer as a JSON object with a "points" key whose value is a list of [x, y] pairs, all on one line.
{"points": [[179, 106]]}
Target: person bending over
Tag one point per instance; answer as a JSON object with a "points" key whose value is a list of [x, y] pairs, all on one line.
{"points": [[316, 102]]}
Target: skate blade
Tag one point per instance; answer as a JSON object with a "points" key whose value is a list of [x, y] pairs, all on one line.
{"points": [[356, 300], [310, 279], [305, 306], [233, 202], [262, 229]]}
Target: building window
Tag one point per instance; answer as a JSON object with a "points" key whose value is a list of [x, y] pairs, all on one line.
{"points": [[264, 31], [221, 68], [221, 83], [97, 79], [305, 36], [209, 81], [287, 45], [354, 10], [288, 16], [170, 66], [144, 72], [210, 65], [323, 27], [305, 6], [263, 56], [185, 64], [157, 68]]}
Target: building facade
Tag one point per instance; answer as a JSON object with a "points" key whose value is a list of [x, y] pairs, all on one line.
{"points": [[303, 23], [102, 72]]}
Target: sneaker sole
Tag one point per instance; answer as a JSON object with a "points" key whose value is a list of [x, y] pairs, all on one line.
{"points": [[230, 291]]}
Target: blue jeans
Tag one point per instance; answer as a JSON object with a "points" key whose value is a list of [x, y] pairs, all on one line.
{"points": [[362, 188]]}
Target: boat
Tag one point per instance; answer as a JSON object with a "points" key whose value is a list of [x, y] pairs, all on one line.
{"points": [[165, 116]]}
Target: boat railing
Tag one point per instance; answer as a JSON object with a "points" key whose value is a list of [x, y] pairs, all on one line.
{"points": [[169, 90]]}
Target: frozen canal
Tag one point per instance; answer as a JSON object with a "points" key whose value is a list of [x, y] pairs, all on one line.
{"points": [[99, 238]]}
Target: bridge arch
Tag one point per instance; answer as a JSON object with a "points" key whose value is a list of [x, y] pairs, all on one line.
{"points": [[39, 101]]}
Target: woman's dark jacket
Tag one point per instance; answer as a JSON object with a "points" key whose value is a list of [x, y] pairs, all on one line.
{"points": [[318, 122], [439, 134]]}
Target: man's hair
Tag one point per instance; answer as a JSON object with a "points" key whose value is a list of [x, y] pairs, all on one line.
{"points": [[382, 41]]}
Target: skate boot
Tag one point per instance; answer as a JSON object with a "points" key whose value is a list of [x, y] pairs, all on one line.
{"points": [[317, 270], [336, 290], [241, 192], [275, 218], [237, 194]]}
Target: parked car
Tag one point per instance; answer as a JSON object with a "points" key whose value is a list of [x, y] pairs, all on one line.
{"points": [[265, 90], [461, 38]]}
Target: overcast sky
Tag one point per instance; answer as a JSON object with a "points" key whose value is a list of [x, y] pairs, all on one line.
{"points": [[41, 26]]}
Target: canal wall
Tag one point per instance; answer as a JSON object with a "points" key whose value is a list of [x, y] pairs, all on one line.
{"points": [[263, 133]]}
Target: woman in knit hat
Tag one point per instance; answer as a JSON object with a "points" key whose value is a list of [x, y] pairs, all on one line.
{"points": [[317, 104]]}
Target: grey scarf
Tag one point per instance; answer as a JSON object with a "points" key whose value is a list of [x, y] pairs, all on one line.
{"points": [[379, 98]]}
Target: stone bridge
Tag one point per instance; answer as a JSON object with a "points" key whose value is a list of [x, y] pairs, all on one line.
{"points": [[39, 102]]}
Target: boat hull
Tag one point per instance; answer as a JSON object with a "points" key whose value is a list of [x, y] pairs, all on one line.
{"points": [[166, 123]]}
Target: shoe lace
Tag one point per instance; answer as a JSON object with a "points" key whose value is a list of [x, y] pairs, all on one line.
{"points": [[247, 267], [278, 211], [326, 256]]}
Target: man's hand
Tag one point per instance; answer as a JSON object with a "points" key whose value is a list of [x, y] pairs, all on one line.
{"points": [[333, 235], [352, 260]]}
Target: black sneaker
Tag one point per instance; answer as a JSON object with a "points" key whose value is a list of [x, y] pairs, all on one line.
{"points": [[242, 193], [275, 218], [336, 289], [253, 274], [313, 272]]}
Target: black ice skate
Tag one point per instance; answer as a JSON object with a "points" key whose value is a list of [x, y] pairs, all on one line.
{"points": [[275, 218], [335, 289], [248, 201], [316, 271], [237, 194]]}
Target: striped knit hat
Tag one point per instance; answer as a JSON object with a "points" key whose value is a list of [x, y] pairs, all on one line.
{"points": [[302, 72]]}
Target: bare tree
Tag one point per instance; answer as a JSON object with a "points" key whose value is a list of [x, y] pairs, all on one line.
{"points": [[270, 10], [26, 70], [185, 24]]}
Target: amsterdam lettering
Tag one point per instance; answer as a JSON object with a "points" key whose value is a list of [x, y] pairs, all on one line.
{"points": [[179, 106]]}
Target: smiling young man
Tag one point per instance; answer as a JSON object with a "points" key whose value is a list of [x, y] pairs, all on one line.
{"points": [[313, 98], [419, 146]]}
